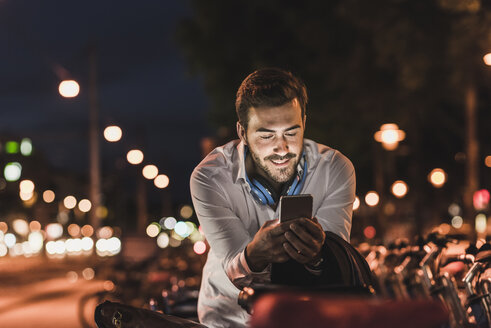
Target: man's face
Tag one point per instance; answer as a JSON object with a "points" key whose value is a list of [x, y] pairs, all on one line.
{"points": [[275, 139]]}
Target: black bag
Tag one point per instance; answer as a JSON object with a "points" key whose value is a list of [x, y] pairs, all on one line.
{"points": [[343, 265], [116, 315]]}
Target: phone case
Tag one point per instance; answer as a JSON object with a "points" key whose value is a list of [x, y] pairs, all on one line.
{"points": [[293, 207]]}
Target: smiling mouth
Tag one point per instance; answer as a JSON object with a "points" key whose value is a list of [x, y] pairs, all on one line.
{"points": [[281, 162]]}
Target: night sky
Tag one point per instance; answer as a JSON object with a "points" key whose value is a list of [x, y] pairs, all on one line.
{"points": [[143, 83]]}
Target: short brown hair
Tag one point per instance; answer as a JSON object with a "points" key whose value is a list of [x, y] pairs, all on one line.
{"points": [[269, 87]]}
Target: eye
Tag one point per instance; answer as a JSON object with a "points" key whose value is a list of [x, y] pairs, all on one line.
{"points": [[291, 134], [266, 136]]}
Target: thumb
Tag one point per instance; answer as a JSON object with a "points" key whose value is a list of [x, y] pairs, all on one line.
{"points": [[271, 223]]}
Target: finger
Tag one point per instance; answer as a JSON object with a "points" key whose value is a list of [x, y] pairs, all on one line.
{"points": [[313, 228], [294, 254], [280, 229], [307, 249], [304, 234]]}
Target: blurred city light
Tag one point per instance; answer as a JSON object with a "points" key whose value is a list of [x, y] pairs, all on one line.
{"points": [[9, 239], [84, 205], [113, 133], [437, 177], [54, 230], [161, 181], [369, 232], [480, 199], [457, 222], [21, 227], [72, 277], [454, 209], [108, 247], [101, 212], [173, 242], [88, 273], [4, 227], [487, 161], [25, 196], [87, 243], [105, 232], [3, 250], [481, 223], [150, 171], [70, 202], [372, 198], [34, 226], [356, 203], [73, 230], [186, 212], [35, 240], [11, 147], [26, 147], [48, 196], [163, 240], [390, 136], [487, 59], [69, 88], [73, 245], [135, 156], [26, 186], [182, 229], [153, 229], [199, 247], [170, 223], [399, 189], [87, 230], [12, 171]]}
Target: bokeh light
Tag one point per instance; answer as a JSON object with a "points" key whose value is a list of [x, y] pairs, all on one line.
{"points": [[26, 147], [105, 232], [161, 181], [437, 177], [88, 273], [12, 171], [481, 223], [163, 240], [454, 209], [34, 226], [369, 232], [182, 229], [48, 196], [26, 186], [35, 241], [390, 136], [153, 229], [457, 222], [70, 202], [134, 156], [199, 247], [54, 230], [84, 205], [487, 161], [372, 198], [170, 223], [69, 88], [186, 212], [113, 133], [4, 227], [480, 199], [9, 239], [356, 203], [150, 171], [25, 196], [399, 189], [487, 59], [21, 227], [87, 230], [73, 230], [12, 147]]}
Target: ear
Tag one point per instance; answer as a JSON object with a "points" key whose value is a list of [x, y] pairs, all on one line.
{"points": [[241, 132]]}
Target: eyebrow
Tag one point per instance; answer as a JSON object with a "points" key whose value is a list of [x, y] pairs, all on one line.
{"points": [[296, 126]]}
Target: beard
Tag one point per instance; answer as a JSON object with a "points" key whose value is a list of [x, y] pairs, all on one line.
{"points": [[278, 175]]}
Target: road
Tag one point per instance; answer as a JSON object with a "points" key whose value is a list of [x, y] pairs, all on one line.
{"points": [[42, 293]]}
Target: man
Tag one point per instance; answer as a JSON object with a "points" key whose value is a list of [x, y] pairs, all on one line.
{"points": [[235, 191]]}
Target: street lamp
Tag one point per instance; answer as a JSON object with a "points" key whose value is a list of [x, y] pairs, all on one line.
{"points": [[69, 88], [389, 136]]}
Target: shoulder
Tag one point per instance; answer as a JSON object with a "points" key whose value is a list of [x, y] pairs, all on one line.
{"points": [[217, 165], [324, 157]]}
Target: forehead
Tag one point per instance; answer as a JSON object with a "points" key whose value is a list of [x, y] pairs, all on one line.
{"points": [[279, 116]]}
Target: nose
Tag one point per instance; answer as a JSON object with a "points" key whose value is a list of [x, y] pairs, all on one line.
{"points": [[281, 146]]}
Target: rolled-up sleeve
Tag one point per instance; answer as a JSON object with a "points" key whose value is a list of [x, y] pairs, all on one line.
{"points": [[336, 209], [223, 229]]}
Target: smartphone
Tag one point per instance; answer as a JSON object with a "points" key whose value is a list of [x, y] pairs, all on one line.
{"points": [[294, 207]]}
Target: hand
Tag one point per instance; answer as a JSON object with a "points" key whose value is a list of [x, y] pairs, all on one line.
{"points": [[304, 240], [267, 246]]}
